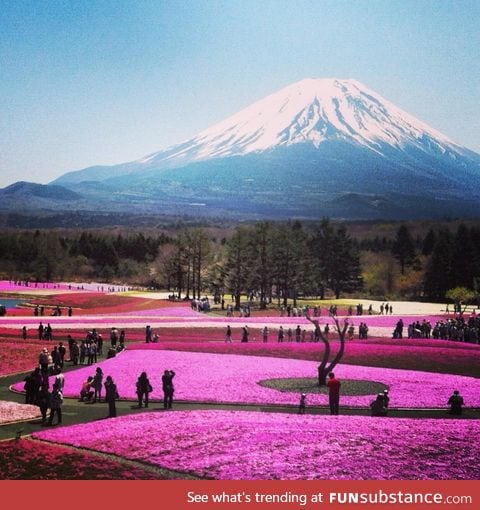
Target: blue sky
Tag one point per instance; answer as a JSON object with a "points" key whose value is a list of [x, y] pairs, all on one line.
{"points": [[104, 82]]}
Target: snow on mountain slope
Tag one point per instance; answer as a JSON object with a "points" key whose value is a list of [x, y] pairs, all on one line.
{"points": [[312, 110], [312, 115]]}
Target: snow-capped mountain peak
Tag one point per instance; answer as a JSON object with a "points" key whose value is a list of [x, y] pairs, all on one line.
{"points": [[309, 111], [317, 147]]}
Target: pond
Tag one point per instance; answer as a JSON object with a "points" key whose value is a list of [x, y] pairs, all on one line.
{"points": [[10, 303]]}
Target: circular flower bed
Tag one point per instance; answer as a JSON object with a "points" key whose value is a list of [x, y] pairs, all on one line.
{"points": [[310, 385]]}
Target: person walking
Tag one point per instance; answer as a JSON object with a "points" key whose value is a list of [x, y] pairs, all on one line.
{"points": [[333, 385], [75, 353], [28, 387], [37, 382], [59, 380], [298, 334], [143, 389], [43, 402], [228, 335], [168, 389], [302, 403], [280, 335], [265, 335], [62, 351], [56, 401], [43, 360], [148, 334], [111, 395]]}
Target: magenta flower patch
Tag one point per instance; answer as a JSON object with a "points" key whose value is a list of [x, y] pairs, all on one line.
{"points": [[204, 377], [233, 445]]}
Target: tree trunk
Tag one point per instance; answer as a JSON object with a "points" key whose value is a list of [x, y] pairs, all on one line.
{"points": [[188, 284], [322, 376], [199, 272], [323, 369], [341, 335]]}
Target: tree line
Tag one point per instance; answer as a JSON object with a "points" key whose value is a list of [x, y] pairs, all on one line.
{"points": [[48, 255], [444, 260], [271, 260], [266, 260]]}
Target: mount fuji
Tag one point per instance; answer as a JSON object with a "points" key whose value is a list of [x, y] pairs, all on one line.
{"points": [[317, 147]]}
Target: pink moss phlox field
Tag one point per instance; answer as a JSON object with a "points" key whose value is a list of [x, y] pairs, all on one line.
{"points": [[436, 355], [233, 445], [172, 311], [16, 357], [11, 411], [25, 459], [6, 286], [203, 377]]}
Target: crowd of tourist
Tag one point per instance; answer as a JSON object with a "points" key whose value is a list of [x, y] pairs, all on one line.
{"points": [[458, 329], [201, 305]]}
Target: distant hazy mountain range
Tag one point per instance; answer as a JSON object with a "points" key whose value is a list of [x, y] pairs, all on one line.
{"points": [[319, 147]]}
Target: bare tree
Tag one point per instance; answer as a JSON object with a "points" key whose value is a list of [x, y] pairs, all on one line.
{"points": [[325, 366]]}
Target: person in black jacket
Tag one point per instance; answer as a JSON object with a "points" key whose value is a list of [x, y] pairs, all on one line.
{"points": [[111, 395], [168, 389], [43, 402], [143, 389], [456, 403], [56, 401]]}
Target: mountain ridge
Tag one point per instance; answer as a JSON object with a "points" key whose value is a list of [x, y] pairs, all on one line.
{"points": [[316, 147], [309, 111]]}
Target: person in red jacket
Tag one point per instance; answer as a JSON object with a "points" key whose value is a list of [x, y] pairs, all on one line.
{"points": [[333, 393]]}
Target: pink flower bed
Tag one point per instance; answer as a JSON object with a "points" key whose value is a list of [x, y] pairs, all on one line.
{"points": [[171, 311], [11, 411], [36, 460], [6, 286], [436, 356], [17, 357], [246, 445], [233, 379]]}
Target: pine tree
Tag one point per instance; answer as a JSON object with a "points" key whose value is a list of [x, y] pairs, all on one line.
{"points": [[336, 259], [403, 248], [428, 243], [238, 257], [462, 259], [438, 274], [262, 260]]}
